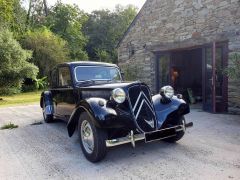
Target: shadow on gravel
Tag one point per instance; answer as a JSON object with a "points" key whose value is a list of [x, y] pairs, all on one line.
{"points": [[36, 123]]}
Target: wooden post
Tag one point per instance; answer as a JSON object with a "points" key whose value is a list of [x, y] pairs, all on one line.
{"points": [[214, 77]]}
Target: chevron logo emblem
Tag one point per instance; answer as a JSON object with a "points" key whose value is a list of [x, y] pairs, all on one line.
{"points": [[143, 100]]}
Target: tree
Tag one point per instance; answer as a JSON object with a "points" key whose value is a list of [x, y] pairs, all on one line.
{"points": [[104, 29], [103, 55], [97, 31], [18, 25], [14, 65], [124, 17], [48, 49], [37, 13], [13, 16], [6, 11], [66, 21]]}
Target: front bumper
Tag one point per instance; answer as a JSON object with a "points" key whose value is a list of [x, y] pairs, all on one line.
{"points": [[149, 136]]}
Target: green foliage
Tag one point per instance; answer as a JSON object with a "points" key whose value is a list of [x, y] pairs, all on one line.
{"points": [[6, 11], [48, 49], [30, 85], [233, 71], [104, 29], [13, 16], [41, 83], [61, 33], [37, 12], [28, 88], [103, 55], [18, 26], [66, 21], [9, 126], [14, 65], [131, 72]]}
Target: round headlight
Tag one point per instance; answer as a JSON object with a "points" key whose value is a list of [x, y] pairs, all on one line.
{"points": [[167, 91], [119, 95]]}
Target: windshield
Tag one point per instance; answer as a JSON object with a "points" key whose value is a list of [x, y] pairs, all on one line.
{"points": [[98, 73]]}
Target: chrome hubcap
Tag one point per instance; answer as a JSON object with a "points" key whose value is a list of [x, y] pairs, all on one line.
{"points": [[87, 136]]}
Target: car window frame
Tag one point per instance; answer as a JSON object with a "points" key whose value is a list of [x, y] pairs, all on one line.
{"points": [[52, 85], [67, 86]]}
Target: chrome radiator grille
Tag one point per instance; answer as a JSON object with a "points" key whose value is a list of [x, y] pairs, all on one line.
{"points": [[142, 107]]}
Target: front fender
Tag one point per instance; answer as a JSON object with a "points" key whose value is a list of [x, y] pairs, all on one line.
{"points": [[97, 109], [176, 105]]}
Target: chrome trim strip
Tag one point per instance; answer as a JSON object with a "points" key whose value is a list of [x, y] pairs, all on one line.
{"points": [[139, 96]]}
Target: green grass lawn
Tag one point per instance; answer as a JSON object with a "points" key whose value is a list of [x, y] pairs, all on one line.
{"points": [[20, 99]]}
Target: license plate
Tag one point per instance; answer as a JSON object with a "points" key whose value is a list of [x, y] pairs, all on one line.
{"points": [[161, 134]]}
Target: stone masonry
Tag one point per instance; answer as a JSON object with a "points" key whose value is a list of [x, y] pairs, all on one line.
{"points": [[171, 24]]}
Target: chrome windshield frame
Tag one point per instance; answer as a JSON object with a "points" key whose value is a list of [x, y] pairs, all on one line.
{"points": [[75, 72]]}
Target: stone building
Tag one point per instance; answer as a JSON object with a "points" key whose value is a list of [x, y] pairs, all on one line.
{"points": [[186, 43]]}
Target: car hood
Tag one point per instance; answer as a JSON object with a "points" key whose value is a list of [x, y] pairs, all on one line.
{"points": [[109, 86], [104, 90]]}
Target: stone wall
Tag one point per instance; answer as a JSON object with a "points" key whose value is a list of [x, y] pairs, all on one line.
{"points": [[170, 24]]}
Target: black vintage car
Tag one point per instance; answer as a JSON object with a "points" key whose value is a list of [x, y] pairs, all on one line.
{"points": [[93, 98]]}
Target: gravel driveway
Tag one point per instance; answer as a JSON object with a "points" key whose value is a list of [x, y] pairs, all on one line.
{"points": [[210, 150]]}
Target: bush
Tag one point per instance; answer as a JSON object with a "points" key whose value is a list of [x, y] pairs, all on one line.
{"points": [[30, 85], [14, 65]]}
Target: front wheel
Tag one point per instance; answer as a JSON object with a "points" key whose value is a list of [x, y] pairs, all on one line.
{"points": [[92, 139], [180, 134]]}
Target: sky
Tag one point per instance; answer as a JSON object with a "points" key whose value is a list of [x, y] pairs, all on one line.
{"points": [[90, 5]]}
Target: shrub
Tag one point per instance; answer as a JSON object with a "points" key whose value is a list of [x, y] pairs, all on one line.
{"points": [[14, 65], [30, 85]]}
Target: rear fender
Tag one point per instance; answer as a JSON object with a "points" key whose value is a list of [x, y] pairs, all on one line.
{"points": [[46, 97], [176, 106], [96, 107]]}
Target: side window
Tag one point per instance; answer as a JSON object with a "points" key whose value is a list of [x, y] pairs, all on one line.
{"points": [[64, 78], [54, 81]]}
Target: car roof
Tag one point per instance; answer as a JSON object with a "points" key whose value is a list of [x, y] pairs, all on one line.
{"points": [[88, 63]]}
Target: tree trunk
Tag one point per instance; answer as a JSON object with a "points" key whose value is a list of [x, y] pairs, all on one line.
{"points": [[29, 12], [45, 7]]}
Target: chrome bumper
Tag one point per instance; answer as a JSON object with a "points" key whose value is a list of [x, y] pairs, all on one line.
{"points": [[132, 138]]}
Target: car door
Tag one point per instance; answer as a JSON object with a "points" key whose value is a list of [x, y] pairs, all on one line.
{"points": [[64, 95]]}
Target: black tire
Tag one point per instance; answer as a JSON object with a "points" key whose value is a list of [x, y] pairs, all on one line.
{"points": [[48, 118], [180, 134], [99, 150]]}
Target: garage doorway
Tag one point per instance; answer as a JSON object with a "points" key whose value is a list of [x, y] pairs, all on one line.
{"points": [[197, 74]]}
